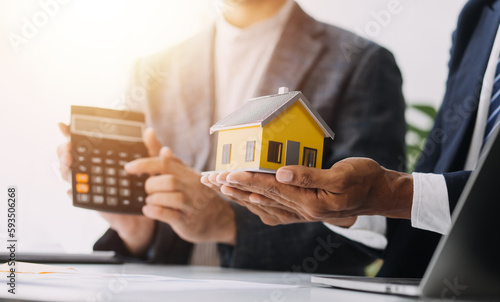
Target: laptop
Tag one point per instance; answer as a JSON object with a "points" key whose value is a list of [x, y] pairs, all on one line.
{"points": [[466, 263]]}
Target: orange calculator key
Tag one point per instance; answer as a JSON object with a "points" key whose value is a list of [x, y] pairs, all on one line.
{"points": [[82, 188], [82, 178]]}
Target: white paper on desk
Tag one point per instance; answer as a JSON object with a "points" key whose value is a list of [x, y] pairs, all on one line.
{"points": [[139, 282], [57, 283], [78, 286], [35, 268]]}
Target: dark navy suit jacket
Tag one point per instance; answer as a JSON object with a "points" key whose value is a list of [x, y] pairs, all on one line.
{"points": [[409, 249]]}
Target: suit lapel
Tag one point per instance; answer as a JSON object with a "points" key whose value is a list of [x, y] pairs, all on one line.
{"points": [[465, 86], [294, 55], [195, 108], [198, 74]]}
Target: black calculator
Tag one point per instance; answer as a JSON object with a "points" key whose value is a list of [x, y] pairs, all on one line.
{"points": [[103, 141]]}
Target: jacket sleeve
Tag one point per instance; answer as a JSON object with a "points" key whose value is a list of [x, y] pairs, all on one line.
{"points": [[167, 247], [455, 183]]}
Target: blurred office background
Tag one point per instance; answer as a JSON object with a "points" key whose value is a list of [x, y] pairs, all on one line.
{"points": [[82, 53]]}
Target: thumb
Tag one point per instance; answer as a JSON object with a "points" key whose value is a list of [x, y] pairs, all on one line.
{"points": [[301, 176], [151, 141], [166, 152], [64, 129]]}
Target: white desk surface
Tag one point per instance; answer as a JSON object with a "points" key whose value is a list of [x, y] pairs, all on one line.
{"points": [[113, 290]]}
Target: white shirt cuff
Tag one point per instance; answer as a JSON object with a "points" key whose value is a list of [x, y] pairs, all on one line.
{"points": [[368, 230], [430, 209]]}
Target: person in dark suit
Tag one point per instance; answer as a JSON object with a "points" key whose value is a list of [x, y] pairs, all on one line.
{"points": [[420, 204], [354, 83]]}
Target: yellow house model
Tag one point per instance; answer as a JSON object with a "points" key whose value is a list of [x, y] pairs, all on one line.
{"points": [[269, 132]]}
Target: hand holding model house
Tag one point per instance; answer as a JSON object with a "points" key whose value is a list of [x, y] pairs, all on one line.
{"points": [[264, 135]]}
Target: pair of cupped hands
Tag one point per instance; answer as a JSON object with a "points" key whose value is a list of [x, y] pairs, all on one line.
{"points": [[198, 212]]}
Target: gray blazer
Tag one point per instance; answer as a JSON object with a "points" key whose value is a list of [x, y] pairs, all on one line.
{"points": [[353, 83]]}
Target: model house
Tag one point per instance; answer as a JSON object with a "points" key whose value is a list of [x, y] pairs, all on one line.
{"points": [[269, 132]]}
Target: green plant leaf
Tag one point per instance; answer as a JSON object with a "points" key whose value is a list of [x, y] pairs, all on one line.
{"points": [[422, 133], [426, 109], [414, 148]]}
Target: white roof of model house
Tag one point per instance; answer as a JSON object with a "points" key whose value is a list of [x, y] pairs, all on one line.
{"points": [[260, 111]]}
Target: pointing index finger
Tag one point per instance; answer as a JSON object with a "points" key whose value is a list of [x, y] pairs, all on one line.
{"points": [[166, 163], [149, 165]]}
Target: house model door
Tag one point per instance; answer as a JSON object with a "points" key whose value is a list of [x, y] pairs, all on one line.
{"points": [[292, 153]]}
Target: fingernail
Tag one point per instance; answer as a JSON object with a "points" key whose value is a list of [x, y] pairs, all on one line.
{"points": [[229, 179], [227, 193], [165, 152], [128, 166], [217, 179], [146, 210], [253, 199], [284, 175]]}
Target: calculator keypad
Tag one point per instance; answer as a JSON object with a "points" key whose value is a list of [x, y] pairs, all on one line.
{"points": [[100, 181]]}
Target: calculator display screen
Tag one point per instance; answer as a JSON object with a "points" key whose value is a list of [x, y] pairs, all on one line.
{"points": [[107, 126]]}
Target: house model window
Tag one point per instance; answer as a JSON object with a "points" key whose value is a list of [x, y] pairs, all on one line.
{"points": [[226, 154], [269, 132], [274, 152], [309, 157], [250, 154]]}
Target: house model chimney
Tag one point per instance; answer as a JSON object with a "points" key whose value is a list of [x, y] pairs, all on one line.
{"points": [[282, 90]]}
